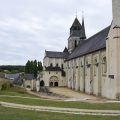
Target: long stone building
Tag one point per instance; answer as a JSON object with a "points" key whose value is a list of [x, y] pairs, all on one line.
{"points": [[89, 65]]}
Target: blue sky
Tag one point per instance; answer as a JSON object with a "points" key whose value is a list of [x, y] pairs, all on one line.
{"points": [[29, 27]]}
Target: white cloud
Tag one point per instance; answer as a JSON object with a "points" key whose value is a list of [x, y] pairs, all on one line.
{"points": [[28, 27]]}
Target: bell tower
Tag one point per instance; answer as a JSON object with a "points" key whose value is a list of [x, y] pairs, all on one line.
{"points": [[77, 34], [113, 54]]}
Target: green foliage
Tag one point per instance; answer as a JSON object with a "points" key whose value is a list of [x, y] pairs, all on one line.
{"points": [[16, 91], [32, 67], [12, 69], [5, 84], [40, 68], [35, 68]]}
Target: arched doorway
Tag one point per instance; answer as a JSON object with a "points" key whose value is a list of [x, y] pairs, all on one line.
{"points": [[42, 84], [56, 84], [51, 84], [53, 81]]}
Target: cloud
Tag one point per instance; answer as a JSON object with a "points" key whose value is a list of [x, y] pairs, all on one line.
{"points": [[29, 27]]}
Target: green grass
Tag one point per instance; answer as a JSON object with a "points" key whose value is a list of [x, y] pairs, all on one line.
{"points": [[16, 91], [16, 94], [80, 105], [16, 114]]}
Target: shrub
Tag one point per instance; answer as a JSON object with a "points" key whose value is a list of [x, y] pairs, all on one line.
{"points": [[4, 86]]}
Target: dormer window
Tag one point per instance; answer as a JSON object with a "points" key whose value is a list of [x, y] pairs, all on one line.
{"points": [[57, 65], [51, 65]]}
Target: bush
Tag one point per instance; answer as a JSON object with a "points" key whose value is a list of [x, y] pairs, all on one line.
{"points": [[5, 84]]}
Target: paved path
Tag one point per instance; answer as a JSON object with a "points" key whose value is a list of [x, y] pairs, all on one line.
{"points": [[63, 110], [76, 96]]}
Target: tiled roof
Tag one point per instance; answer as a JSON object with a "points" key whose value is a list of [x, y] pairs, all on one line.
{"points": [[29, 76], [92, 44], [51, 68], [52, 54]]}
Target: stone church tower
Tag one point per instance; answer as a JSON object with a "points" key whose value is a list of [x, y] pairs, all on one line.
{"points": [[113, 54], [77, 35]]}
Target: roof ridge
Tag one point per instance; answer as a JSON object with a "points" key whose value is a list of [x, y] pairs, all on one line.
{"points": [[98, 32], [55, 51]]}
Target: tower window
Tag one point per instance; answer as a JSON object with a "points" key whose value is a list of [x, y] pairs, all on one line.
{"points": [[51, 64], [104, 66], [75, 43], [56, 65], [62, 66]]}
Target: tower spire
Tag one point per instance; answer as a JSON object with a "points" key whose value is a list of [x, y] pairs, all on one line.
{"points": [[83, 34]]}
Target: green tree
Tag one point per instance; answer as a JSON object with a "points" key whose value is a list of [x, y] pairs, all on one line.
{"points": [[32, 67], [40, 68], [27, 67], [35, 68]]}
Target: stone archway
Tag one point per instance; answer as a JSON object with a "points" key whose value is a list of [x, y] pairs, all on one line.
{"points": [[51, 84], [54, 82], [42, 84]]}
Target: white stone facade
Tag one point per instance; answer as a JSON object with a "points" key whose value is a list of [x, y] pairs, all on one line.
{"points": [[96, 73]]}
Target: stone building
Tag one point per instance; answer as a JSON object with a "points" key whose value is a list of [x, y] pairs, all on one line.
{"points": [[29, 81], [89, 65]]}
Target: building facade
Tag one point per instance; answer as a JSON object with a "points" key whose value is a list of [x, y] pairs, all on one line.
{"points": [[89, 65]]}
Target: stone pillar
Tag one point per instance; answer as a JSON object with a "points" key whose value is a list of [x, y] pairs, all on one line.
{"points": [[113, 54]]}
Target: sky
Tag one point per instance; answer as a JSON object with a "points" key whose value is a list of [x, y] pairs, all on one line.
{"points": [[29, 27]]}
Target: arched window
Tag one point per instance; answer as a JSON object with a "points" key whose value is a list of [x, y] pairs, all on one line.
{"points": [[75, 43], [51, 65], [42, 84], [104, 65], [54, 81], [95, 66], [57, 65], [62, 66]]}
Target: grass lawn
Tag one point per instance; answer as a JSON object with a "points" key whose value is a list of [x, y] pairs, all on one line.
{"points": [[80, 105], [18, 93], [16, 114]]}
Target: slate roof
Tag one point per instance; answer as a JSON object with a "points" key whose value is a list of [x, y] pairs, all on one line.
{"points": [[83, 34], [29, 76], [75, 29], [51, 68], [52, 54], [12, 76], [76, 23], [92, 44]]}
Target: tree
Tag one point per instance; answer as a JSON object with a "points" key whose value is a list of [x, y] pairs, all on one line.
{"points": [[40, 68], [32, 67], [35, 68], [27, 67]]}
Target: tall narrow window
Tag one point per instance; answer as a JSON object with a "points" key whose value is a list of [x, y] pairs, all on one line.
{"points": [[95, 67], [51, 65], [57, 65], [75, 43], [62, 66], [104, 66]]}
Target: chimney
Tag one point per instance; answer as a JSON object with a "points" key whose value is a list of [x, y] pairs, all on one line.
{"points": [[116, 12]]}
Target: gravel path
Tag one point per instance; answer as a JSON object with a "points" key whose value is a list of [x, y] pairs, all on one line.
{"points": [[63, 110]]}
